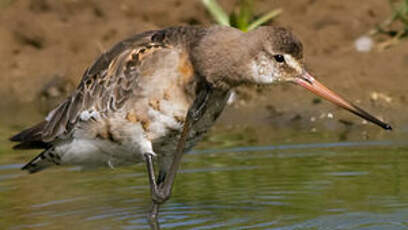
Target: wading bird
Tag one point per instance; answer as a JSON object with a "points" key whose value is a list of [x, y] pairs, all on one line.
{"points": [[154, 95]]}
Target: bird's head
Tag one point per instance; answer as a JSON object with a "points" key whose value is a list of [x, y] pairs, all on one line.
{"points": [[278, 57]]}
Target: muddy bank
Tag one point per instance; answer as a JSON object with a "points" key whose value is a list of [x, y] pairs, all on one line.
{"points": [[46, 45]]}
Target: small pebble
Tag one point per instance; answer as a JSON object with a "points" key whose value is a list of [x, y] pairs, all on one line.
{"points": [[364, 44], [375, 96]]}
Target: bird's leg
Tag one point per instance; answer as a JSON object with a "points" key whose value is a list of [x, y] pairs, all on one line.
{"points": [[154, 217], [167, 183], [194, 113], [154, 184], [154, 189], [161, 188]]}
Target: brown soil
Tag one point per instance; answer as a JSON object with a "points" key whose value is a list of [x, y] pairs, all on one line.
{"points": [[46, 45]]}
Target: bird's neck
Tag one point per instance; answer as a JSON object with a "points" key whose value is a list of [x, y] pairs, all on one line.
{"points": [[223, 57]]}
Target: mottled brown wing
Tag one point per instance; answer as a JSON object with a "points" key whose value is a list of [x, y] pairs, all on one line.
{"points": [[105, 87]]}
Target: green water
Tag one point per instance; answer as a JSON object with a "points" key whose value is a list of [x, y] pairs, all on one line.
{"points": [[297, 185]]}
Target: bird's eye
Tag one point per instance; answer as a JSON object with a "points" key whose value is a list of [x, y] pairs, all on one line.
{"points": [[279, 58]]}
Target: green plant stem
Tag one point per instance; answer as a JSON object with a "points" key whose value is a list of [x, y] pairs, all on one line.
{"points": [[397, 13], [272, 14], [217, 12], [244, 16]]}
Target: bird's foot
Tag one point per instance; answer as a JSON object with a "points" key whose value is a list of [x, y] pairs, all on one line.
{"points": [[160, 190], [160, 193]]}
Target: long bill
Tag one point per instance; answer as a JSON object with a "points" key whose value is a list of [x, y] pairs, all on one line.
{"points": [[311, 84]]}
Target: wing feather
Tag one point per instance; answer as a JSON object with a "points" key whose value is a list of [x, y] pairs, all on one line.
{"points": [[99, 90]]}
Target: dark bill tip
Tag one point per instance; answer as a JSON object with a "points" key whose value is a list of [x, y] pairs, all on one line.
{"points": [[311, 84], [361, 113]]}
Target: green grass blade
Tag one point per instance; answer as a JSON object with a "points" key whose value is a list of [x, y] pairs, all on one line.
{"points": [[264, 19], [217, 12], [245, 14], [401, 16], [404, 11]]}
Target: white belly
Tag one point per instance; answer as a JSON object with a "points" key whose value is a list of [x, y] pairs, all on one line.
{"points": [[96, 153]]}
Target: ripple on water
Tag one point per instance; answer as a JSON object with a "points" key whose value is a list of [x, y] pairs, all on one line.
{"points": [[285, 187], [11, 166], [357, 220], [347, 174]]}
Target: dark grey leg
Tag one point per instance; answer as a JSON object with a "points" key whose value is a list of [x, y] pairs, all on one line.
{"points": [[154, 186], [161, 190], [194, 113], [154, 191], [154, 217], [167, 185]]}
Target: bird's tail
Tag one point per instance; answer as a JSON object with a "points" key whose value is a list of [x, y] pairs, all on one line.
{"points": [[44, 160]]}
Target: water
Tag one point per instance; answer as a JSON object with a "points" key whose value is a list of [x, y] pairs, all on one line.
{"points": [[326, 185]]}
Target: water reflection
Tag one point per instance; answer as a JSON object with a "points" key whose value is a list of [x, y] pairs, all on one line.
{"points": [[316, 186]]}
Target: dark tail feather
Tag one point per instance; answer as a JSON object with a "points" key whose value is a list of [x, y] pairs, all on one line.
{"points": [[42, 161], [30, 134], [30, 138], [32, 145]]}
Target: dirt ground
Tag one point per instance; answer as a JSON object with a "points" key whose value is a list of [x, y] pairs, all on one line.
{"points": [[46, 45]]}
